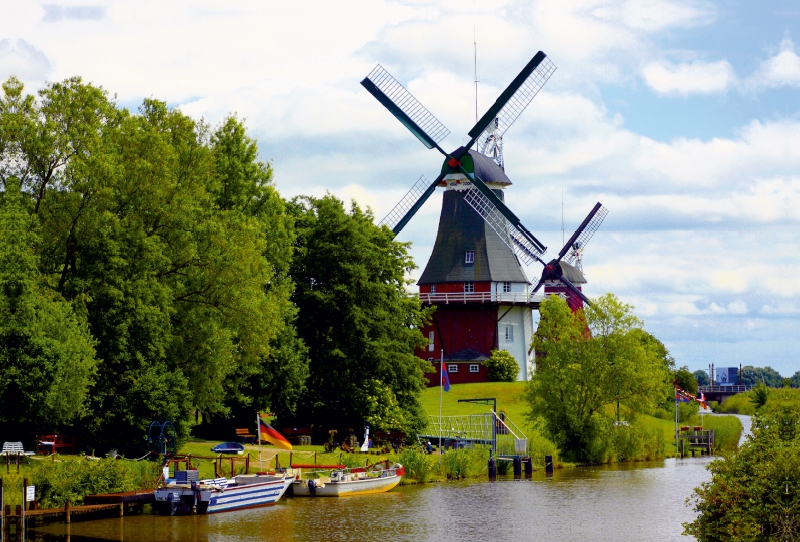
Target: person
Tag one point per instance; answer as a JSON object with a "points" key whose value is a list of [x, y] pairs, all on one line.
{"points": [[429, 447], [370, 443]]}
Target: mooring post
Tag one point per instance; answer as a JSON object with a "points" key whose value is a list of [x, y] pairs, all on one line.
{"points": [[121, 509], [528, 467], [247, 464], [492, 467], [548, 465], [517, 466], [66, 512]]}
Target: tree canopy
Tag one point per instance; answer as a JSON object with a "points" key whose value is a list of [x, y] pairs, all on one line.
{"points": [[172, 242], [360, 323], [753, 495], [586, 360], [769, 376]]}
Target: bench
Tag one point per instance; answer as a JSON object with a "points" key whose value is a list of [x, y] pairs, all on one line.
{"points": [[297, 435], [53, 443], [245, 434], [14, 449]]}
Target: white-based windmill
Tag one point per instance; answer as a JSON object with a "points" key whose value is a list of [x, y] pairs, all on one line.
{"points": [[467, 169]]}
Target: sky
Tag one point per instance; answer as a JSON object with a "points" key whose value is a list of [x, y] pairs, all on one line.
{"points": [[681, 117]]}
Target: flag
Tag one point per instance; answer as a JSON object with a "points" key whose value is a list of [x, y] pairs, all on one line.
{"points": [[682, 396], [702, 400], [445, 377], [269, 434]]}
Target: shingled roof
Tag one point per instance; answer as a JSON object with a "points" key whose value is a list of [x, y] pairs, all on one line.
{"points": [[462, 229]]}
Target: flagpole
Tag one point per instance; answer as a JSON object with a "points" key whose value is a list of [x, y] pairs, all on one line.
{"points": [[258, 430], [441, 393], [676, 422]]}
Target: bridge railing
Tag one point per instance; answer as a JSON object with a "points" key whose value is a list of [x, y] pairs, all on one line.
{"points": [[732, 389]]}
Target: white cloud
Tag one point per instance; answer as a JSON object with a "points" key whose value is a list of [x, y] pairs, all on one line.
{"points": [[781, 70], [689, 78]]}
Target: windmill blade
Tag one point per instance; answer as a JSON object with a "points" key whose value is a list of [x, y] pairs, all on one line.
{"points": [[584, 233], [577, 292], [514, 99], [409, 204], [405, 107], [526, 247]]}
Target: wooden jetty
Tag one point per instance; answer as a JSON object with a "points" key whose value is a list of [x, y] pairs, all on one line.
{"points": [[695, 440]]}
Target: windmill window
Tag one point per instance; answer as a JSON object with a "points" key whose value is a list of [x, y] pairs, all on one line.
{"points": [[469, 257], [430, 341], [469, 287], [452, 368], [506, 287], [474, 368], [509, 334]]}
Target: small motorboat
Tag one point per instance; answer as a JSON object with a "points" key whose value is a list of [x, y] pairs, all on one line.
{"points": [[229, 448], [347, 482], [185, 496]]}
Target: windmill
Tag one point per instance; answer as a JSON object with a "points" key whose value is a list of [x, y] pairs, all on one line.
{"points": [[473, 276], [568, 267]]}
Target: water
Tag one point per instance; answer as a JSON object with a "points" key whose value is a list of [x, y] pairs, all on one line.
{"points": [[628, 502]]}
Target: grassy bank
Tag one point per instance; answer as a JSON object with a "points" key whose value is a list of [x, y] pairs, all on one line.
{"points": [[742, 403]]}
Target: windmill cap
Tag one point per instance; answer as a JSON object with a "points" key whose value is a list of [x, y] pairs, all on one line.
{"points": [[568, 271], [483, 166]]}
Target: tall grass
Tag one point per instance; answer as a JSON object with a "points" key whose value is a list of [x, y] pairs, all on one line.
{"points": [[417, 464], [727, 431], [464, 463]]}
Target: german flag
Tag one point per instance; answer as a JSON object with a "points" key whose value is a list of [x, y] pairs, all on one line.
{"points": [[269, 434]]}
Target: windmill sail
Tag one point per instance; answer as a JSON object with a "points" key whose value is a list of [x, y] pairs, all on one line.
{"points": [[583, 234], [526, 251], [513, 101], [404, 205], [405, 107]]}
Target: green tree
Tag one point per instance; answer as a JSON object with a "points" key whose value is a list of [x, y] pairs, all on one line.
{"points": [[769, 376], [502, 366], [47, 357], [585, 362], [176, 244], [685, 380], [754, 494], [702, 378], [796, 380], [360, 323]]}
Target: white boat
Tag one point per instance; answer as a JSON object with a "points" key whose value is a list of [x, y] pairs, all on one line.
{"points": [[347, 482], [221, 494]]}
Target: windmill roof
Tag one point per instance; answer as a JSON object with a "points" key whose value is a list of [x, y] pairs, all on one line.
{"points": [[569, 272], [484, 167], [462, 229]]}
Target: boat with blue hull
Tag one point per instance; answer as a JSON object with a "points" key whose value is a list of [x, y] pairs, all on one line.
{"points": [[220, 494]]}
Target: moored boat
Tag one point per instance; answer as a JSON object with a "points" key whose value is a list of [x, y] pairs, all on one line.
{"points": [[347, 482], [220, 494]]}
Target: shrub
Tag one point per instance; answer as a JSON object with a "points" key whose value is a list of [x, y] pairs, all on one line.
{"points": [[502, 366], [760, 395], [72, 479]]}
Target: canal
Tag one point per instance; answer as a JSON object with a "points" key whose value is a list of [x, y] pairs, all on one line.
{"points": [[623, 502]]}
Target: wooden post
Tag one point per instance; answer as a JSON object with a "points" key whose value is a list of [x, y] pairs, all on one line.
{"points": [[121, 509], [18, 462], [247, 464], [233, 468], [66, 512], [25, 494], [315, 458], [8, 464]]}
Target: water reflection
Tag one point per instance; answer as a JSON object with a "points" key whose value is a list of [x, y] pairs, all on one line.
{"points": [[612, 503]]}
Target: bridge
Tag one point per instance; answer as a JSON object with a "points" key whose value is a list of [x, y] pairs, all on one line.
{"points": [[720, 393]]}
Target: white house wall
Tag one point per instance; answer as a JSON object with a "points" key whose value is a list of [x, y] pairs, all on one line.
{"points": [[519, 318]]}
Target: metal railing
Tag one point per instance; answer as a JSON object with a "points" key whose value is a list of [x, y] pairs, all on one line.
{"points": [[480, 297], [733, 389], [478, 429]]}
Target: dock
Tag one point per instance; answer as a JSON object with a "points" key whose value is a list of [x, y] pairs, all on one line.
{"points": [[696, 440]]}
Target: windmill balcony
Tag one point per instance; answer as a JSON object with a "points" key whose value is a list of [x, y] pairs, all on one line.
{"points": [[506, 298]]}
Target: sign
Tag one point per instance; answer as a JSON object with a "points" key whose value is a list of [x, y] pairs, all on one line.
{"points": [[30, 494]]}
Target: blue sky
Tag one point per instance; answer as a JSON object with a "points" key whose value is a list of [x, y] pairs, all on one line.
{"points": [[681, 117]]}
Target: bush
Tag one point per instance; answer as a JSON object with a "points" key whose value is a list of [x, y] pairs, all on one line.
{"points": [[72, 479], [760, 395], [502, 366]]}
